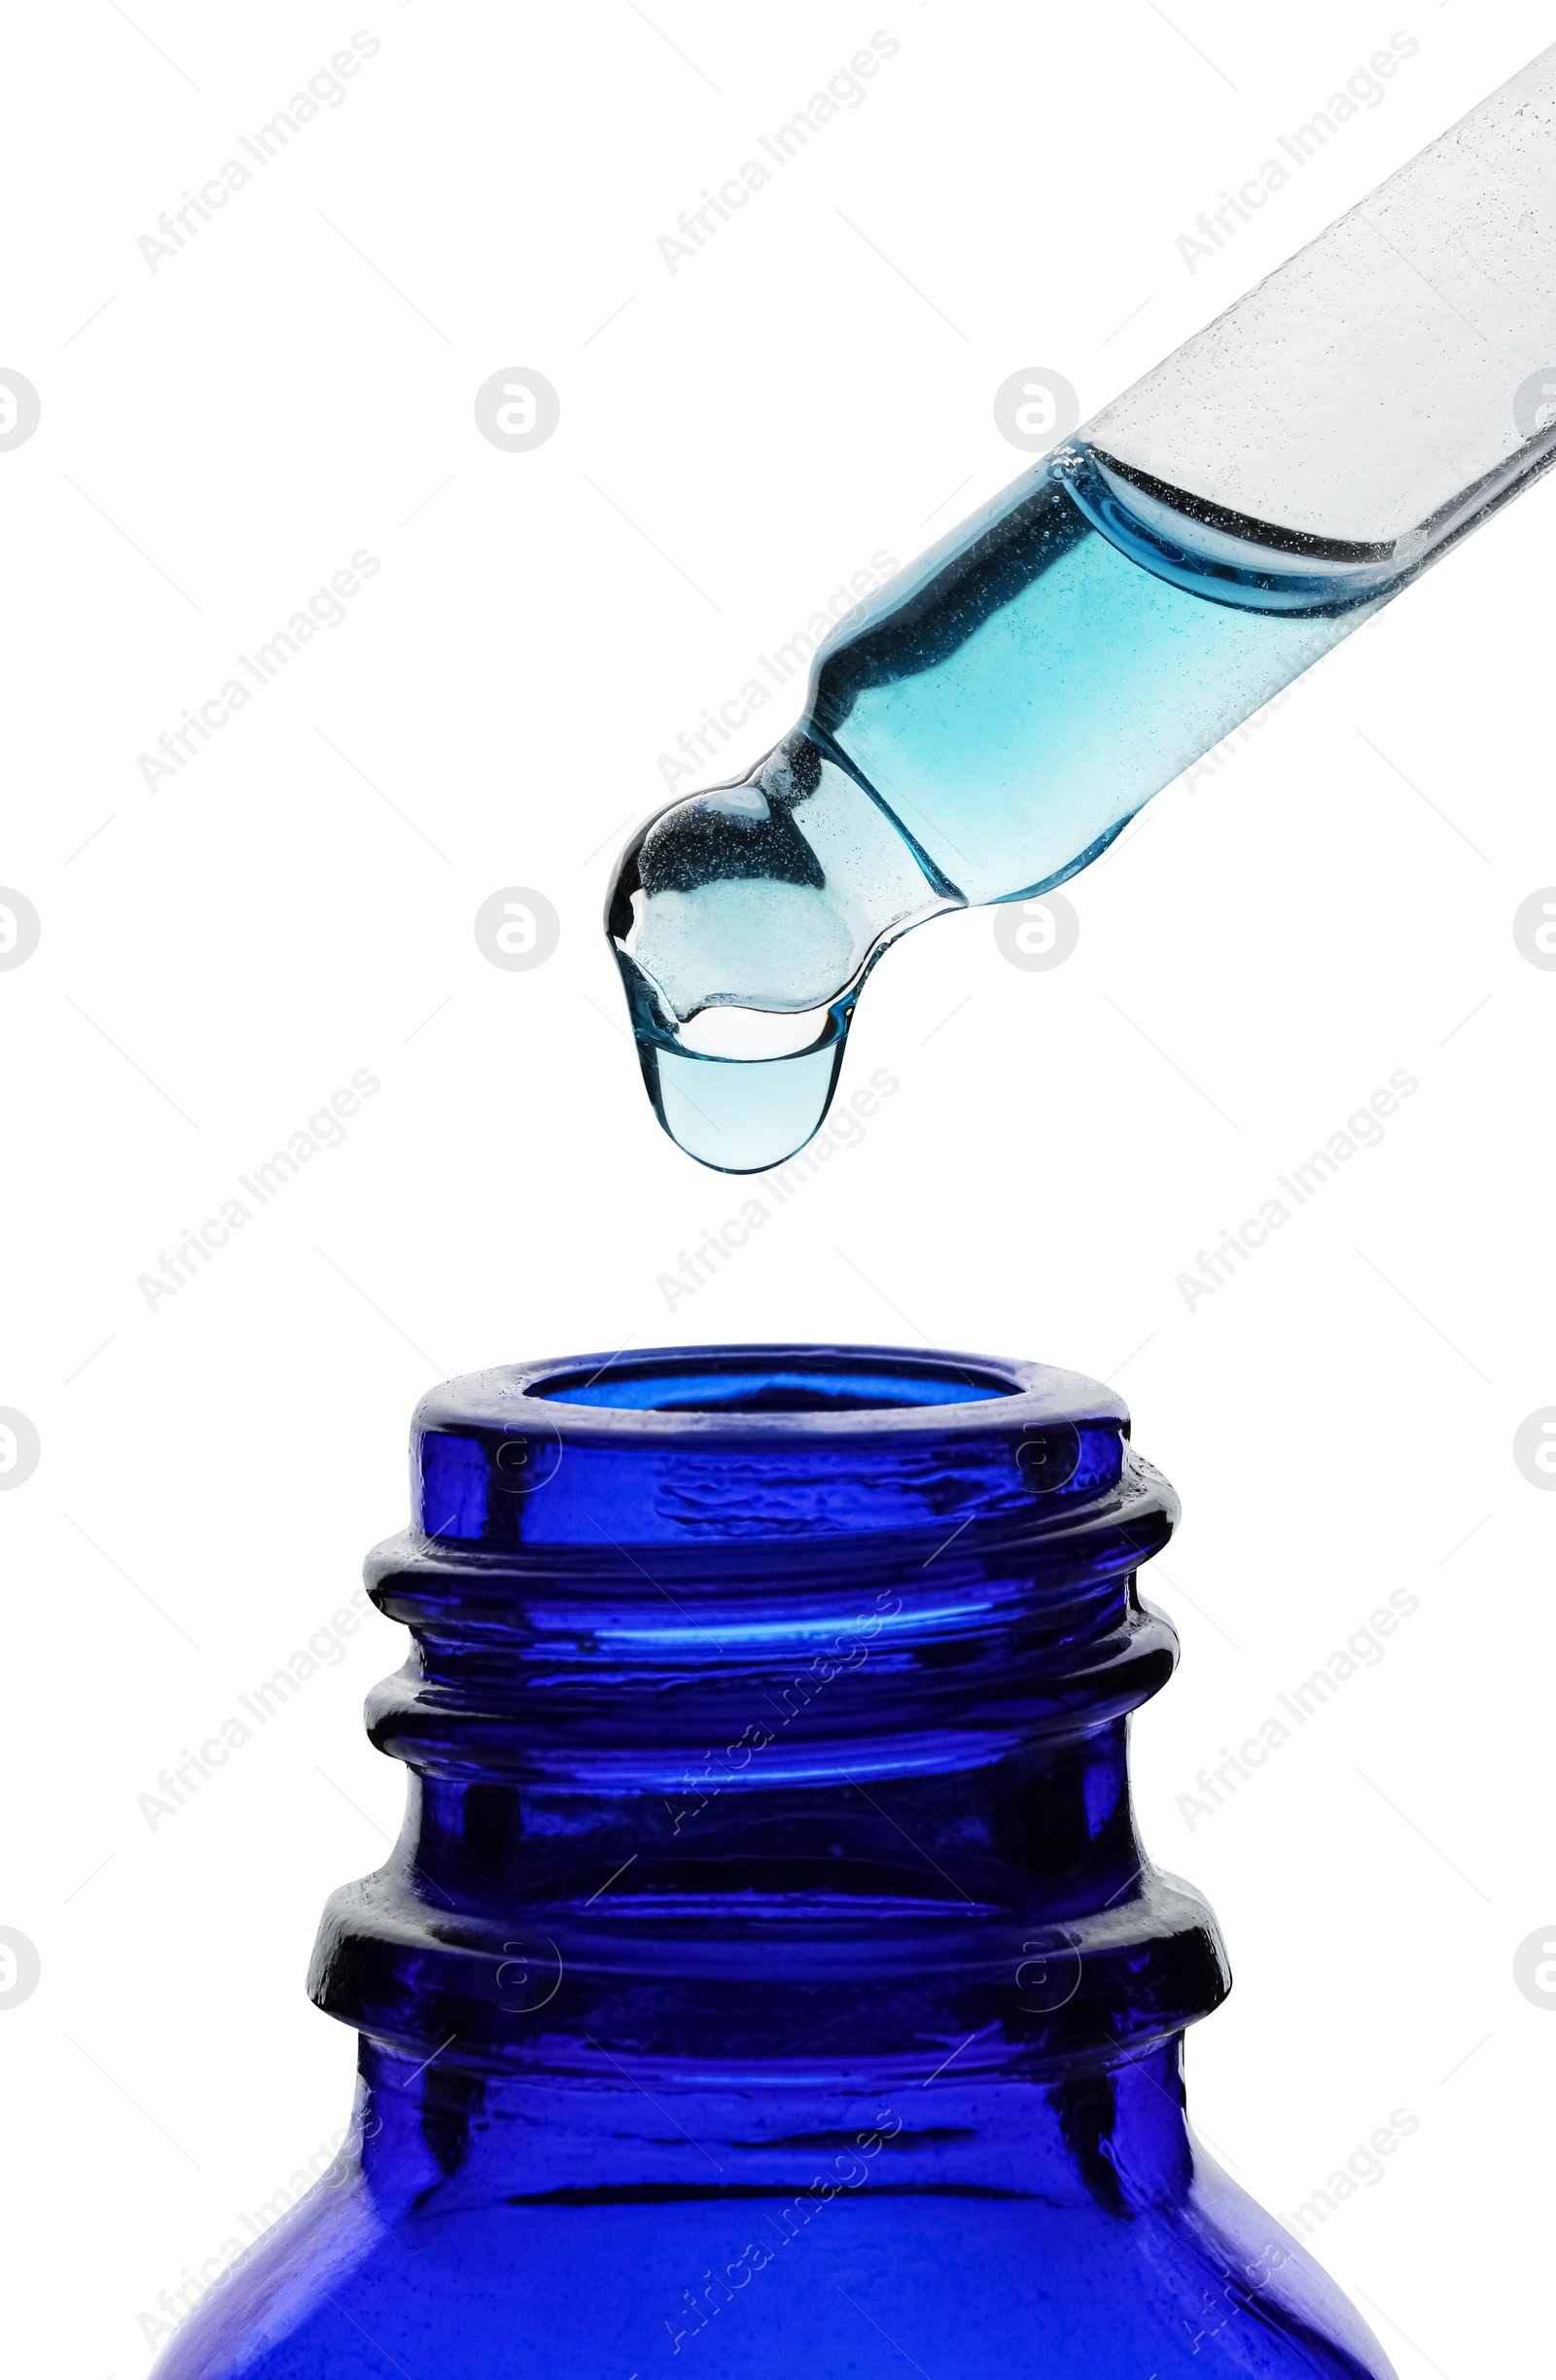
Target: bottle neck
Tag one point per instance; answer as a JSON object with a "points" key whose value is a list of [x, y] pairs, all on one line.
{"points": [[443, 2134], [872, 1871], [1044, 1829], [777, 1742]]}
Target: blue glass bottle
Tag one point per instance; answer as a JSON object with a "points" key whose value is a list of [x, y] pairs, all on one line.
{"points": [[769, 1974]]}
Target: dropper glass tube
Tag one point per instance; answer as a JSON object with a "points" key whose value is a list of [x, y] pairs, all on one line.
{"points": [[987, 723]]}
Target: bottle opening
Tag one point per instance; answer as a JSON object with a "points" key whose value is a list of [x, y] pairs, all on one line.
{"points": [[737, 1385], [767, 1443]]}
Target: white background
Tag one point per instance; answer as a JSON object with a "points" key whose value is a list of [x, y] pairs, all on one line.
{"points": [[218, 956]]}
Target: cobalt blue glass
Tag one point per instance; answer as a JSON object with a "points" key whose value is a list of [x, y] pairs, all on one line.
{"points": [[769, 1973]]}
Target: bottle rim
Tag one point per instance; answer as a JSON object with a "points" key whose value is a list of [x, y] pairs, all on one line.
{"points": [[769, 1392]]}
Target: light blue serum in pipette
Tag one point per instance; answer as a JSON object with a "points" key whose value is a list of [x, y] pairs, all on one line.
{"points": [[978, 730]]}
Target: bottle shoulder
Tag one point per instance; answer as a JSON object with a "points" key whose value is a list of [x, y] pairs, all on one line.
{"points": [[463, 2279]]}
